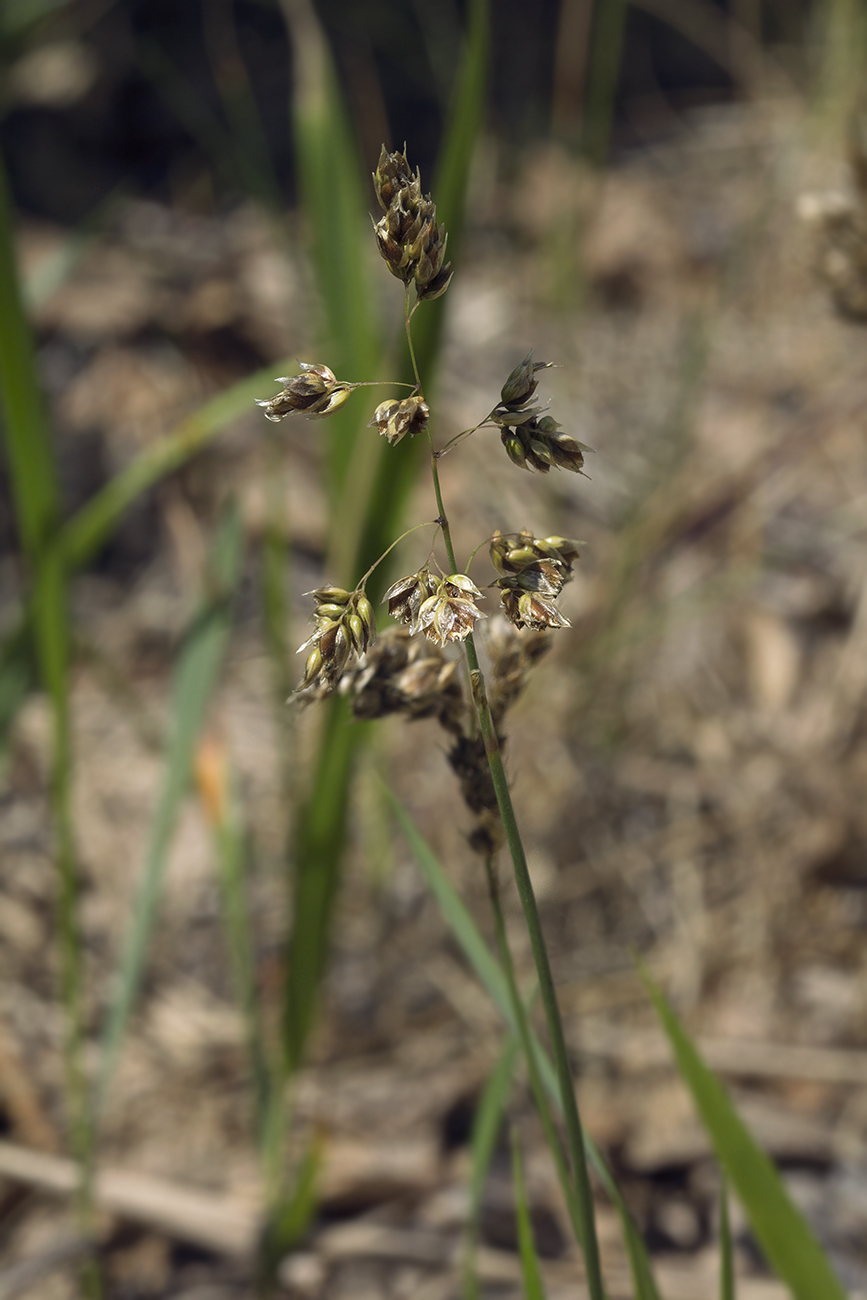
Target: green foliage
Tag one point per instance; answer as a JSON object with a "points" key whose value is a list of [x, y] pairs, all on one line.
{"points": [[195, 677], [36, 498], [496, 983], [533, 1288], [779, 1226], [369, 488], [486, 1130]]}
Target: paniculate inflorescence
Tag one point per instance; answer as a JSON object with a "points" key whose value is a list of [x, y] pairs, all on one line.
{"points": [[407, 670]]}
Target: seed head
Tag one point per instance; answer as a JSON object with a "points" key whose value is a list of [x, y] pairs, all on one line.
{"points": [[403, 675], [316, 392], [530, 609], [406, 596], [392, 175], [528, 563], [345, 626], [396, 419], [540, 444], [449, 615], [522, 384], [410, 242]]}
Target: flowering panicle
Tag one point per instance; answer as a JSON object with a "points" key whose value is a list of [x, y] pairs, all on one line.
{"points": [[345, 626], [411, 243], [402, 674], [396, 419], [533, 440], [532, 572], [449, 614], [315, 393], [407, 671]]}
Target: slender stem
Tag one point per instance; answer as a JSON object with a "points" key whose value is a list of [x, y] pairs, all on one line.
{"points": [[574, 1134], [519, 1011], [429, 523], [407, 316]]}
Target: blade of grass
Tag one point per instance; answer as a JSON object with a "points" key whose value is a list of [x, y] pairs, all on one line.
{"points": [[368, 515], [495, 982], [533, 1288], [17, 678], [486, 1129], [36, 499], [333, 202], [603, 75], [218, 796], [293, 1213], [194, 680], [726, 1247], [89, 529], [779, 1226]]}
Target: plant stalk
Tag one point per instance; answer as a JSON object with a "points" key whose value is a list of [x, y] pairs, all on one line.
{"points": [[574, 1133]]}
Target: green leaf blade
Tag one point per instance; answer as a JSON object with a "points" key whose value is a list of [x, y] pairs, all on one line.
{"points": [[779, 1226]]}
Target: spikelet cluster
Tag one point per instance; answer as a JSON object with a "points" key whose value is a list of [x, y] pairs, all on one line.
{"points": [[532, 440], [444, 609], [345, 626], [533, 572], [411, 243], [395, 419], [315, 393]]}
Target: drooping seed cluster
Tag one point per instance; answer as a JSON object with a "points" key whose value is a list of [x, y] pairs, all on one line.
{"points": [[396, 419], [316, 392], [533, 571], [412, 245], [533, 440], [345, 626], [404, 674], [444, 609]]}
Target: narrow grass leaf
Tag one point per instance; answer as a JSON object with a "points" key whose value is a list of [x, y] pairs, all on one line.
{"points": [[779, 1226], [494, 981], [36, 500], [90, 528], [218, 797], [17, 678], [290, 1217], [486, 1130], [335, 206], [533, 1288], [726, 1247], [336, 215], [194, 680]]}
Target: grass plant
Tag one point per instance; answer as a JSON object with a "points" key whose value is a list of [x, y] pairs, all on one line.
{"points": [[369, 482]]}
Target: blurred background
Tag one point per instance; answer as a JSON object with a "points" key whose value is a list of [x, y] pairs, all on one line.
{"points": [[221, 966]]}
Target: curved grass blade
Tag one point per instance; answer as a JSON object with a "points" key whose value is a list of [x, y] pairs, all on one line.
{"points": [[494, 981], [194, 680], [36, 497], [533, 1288], [486, 1129], [779, 1226], [370, 484]]}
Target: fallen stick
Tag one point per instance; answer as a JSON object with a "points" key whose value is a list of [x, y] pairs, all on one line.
{"points": [[224, 1224]]}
